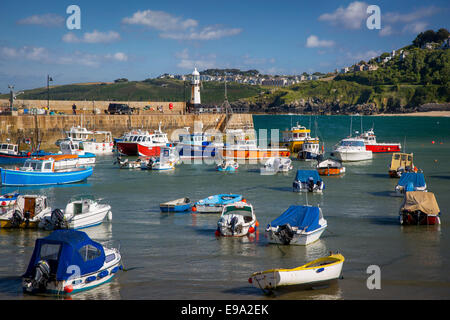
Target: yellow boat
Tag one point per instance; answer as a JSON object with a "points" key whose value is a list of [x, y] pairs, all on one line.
{"points": [[26, 213], [294, 138], [318, 271], [401, 162]]}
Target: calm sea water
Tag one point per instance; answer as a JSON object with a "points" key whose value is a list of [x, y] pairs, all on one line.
{"points": [[176, 256]]}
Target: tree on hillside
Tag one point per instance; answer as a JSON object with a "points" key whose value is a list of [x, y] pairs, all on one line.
{"points": [[430, 36]]}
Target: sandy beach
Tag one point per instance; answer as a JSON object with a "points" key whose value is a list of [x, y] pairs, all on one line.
{"points": [[418, 114]]}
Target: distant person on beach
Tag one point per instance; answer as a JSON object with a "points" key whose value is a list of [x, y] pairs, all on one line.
{"points": [[74, 109]]}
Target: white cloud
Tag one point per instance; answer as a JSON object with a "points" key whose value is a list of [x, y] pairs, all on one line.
{"points": [[199, 62], [46, 20], [393, 17], [367, 55], [92, 37], [28, 53], [386, 31], [119, 56], [177, 28], [349, 18], [411, 22], [313, 42], [415, 27]]}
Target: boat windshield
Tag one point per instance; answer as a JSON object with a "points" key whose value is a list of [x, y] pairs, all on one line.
{"points": [[351, 143], [35, 165]]}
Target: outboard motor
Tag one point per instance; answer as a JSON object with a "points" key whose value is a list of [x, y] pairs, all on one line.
{"points": [[57, 219], [41, 276], [285, 233], [17, 218], [310, 184], [235, 228]]}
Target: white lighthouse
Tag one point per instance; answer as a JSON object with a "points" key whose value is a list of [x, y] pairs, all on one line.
{"points": [[195, 88]]}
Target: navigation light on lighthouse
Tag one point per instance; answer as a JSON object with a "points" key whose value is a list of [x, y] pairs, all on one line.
{"points": [[195, 88]]}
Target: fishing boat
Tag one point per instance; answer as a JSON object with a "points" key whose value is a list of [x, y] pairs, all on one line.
{"points": [[64, 161], [241, 145], [135, 164], [74, 148], [293, 138], [308, 181], [167, 160], [143, 143], [27, 212], [310, 150], [400, 163], [67, 262], [8, 199], [215, 203], [277, 164], [10, 154], [178, 205], [371, 143], [299, 225], [80, 212], [237, 220], [319, 271], [96, 142], [228, 166], [42, 171], [330, 167], [419, 208], [411, 181], [351, 149]]}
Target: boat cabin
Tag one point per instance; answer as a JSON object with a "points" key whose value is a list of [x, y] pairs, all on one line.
{"points": [[296, 133], [70, 147], [350, 143], [33, 204], [401, 160], [241, 208], [82, 134], [38, 165], [9, 148]]}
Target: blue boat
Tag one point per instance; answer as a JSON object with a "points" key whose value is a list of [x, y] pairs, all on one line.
{"points": [[179, 205], [411, 181], [36, 172], [10, 154], [214, 204], [196, 145], [68, 261], [227, 166], [308, 181], [8, 199]]}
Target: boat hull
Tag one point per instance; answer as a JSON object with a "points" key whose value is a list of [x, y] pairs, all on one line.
{"points": [[413, 218], [10, 159], [30, 178], [300, 239], [352, 156], [253, 154], [98, 147], [24, 225], [330, 171], [383, 147]]}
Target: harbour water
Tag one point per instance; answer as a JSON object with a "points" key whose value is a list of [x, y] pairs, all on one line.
{"points": [[177, 256]]}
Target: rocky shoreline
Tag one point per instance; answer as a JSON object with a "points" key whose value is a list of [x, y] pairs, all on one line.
{"points": [[316, 106]]}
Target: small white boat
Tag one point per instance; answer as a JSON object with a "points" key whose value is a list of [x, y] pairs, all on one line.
{"points": [[330, 167], [81, 212], [299, 225], [26, 213], [67, 262], [126, 164], [276, 164], [228, 165], [351, 149], [178, 205], [319, 271], [167, 160], [308, 181], [73, 147], [8, 199], [237, 220]]}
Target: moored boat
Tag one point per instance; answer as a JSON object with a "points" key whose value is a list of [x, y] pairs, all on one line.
{"points": [[371, 143], [73, 148], [419, 208], [228, 166], [27, 212], [96, 142], [276, 164], [80, 212], [215, 203], [330, 167], [308, 181], [351, 149], [310, 150], [167, 160], [237, 220], [8, 199], [315, 272], [400, 163], [142, 143], [294, 138], [134, 164], [178, 205], [411, 181], [299, 225], [10, 154], [67, 262]]}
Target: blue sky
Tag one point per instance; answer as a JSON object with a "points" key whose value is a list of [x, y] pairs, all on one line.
{"points": [[142, 39]]}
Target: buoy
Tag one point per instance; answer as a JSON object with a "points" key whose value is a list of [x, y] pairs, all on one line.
{"points": [[251, 230], [109, 215], [244, 200], [68, 289], [250, 280], [257, 223], [3, 203], [432, 142], [217, 233], [194, 208]]}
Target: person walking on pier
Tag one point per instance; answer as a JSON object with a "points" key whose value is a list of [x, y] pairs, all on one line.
{"points": [[74, 109]]}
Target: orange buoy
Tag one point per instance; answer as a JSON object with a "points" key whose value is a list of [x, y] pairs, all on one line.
{"points": [[68, 289], [244, 200], [194, 208], [257, 223], [251, 230]]}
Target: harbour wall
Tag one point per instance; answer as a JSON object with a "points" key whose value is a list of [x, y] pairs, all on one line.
{"points": [[49, 128]]}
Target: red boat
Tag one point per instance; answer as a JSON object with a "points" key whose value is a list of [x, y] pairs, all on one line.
{"points": [[142, 143], [419, 208], [371, 143]]}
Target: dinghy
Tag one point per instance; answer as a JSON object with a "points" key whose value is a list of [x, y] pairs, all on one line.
{"points": [[330, 167], [178, 205], [276, 164], [299, 225], [26, 213], [228, 166], [308, 181], [419, 208], [126, 164], [81, 212], [237, 220], [214, 204], [315, 272], [67, 262], [8, 199], [411, 181]]}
